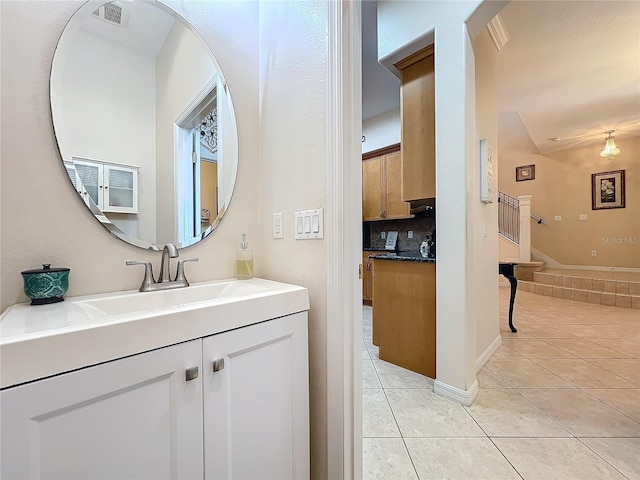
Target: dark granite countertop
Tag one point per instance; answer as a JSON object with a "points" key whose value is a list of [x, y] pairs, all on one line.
{"points": [[403, 257]]}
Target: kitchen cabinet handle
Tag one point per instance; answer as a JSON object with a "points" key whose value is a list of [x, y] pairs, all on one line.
{"points": [[218, 364], [191, 374]]}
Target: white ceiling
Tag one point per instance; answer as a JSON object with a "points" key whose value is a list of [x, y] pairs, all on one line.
{"points": [[571, 69], [148, 24]]}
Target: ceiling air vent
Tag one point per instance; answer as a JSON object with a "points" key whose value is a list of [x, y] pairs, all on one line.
{"points": [[113, 13]]}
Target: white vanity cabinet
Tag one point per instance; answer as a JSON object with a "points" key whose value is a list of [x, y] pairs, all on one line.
{"points": [[112, 187], [256, 407], [142, 417], [136, 417]]}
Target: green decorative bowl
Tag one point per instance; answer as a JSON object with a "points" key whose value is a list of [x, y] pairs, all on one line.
{"points": [[46, 285]]}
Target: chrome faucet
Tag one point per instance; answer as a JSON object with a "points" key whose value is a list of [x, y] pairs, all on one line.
{"points": [[168, 252], [149, 284]]}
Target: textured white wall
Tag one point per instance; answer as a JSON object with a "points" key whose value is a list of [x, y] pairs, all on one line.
{"points": [[42, 220], [293, 98], [381, 131]]}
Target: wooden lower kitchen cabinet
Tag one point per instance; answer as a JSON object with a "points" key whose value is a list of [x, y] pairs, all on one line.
{"points": [[404, 314], [367, 272]]}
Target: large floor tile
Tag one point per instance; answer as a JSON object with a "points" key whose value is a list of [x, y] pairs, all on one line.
{"points": [[506, 413], [584, 348], [596, 331], [535, 348], [377, 419], [423, 413], [622, 453], [625, 400], [487, 379], [584, 374], [555, 458], [522, 372], [374, 351], [627, 368], [546, 331], [369, 375], [581, 414], [386, 459], [504, 352], [629, 346], [392, 376], [459, 458]]}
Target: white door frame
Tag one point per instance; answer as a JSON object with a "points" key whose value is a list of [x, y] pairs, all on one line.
{"points": [[344, 241]]}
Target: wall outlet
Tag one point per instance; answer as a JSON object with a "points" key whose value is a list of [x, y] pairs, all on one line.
{"points": [[583, 216], [557, 218], [383, 235], [277, 225], [594, 253], [410, 234]]}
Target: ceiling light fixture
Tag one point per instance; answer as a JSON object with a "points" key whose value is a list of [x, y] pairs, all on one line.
{"points": [[610, 150]]}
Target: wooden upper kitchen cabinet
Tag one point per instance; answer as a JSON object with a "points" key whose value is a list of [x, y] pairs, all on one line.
{"points": [[417, 93], [382, 186]]}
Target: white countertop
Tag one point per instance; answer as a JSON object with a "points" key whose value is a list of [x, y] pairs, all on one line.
{"points": [[44, 340]]}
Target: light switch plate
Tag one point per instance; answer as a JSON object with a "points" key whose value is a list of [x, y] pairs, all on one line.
{"points": [[557, 218], [583, 216], [311, 224]]}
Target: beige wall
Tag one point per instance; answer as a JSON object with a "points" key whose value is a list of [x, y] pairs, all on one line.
{"points": [[292, 173], [276, 71], [563, 187], [483, 217]]}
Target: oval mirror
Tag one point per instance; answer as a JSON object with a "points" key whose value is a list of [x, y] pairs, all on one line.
{"points": [[144, 122]]}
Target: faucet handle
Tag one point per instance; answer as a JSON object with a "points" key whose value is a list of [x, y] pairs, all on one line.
{"points": [[148, 273], [180, 270]]}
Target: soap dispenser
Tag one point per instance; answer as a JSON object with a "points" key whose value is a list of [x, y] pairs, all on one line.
{"points": [[244, 260]]}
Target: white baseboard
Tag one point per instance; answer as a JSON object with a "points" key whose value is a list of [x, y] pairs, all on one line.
{"points": [[486, 355], [465, 397]]}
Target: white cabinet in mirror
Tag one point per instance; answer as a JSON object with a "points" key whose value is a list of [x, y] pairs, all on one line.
{"points": [[135, 89]]}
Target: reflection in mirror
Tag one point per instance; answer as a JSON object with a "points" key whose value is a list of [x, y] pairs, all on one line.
{"points": [[144, 122]]}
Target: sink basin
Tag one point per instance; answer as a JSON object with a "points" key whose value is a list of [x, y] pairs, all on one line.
{"points": [[88, 330], [131, 303]]}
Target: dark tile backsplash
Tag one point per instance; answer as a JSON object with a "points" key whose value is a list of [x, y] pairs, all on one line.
{"points": [[421, 227]]}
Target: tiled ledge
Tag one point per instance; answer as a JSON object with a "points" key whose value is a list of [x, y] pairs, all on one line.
{"points": [[623, 287], [582, 294]]}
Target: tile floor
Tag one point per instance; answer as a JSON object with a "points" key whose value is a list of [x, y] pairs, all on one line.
{"points": [[560, 399]]}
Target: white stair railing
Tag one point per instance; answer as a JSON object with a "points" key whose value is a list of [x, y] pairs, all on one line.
{"points": [[514, 223]]}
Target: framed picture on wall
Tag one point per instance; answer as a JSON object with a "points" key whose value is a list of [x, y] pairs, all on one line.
{"points": [[607, 190], [525, 172]]}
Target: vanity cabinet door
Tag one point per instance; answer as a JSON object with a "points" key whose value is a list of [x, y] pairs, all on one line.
{"points": [[132, 418], [256, 402]]}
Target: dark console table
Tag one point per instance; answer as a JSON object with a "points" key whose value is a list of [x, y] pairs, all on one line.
{"points": [[506, 269]]}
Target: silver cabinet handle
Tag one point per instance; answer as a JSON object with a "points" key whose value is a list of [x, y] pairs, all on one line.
{"points": [[191, 374], [218, 364]]}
